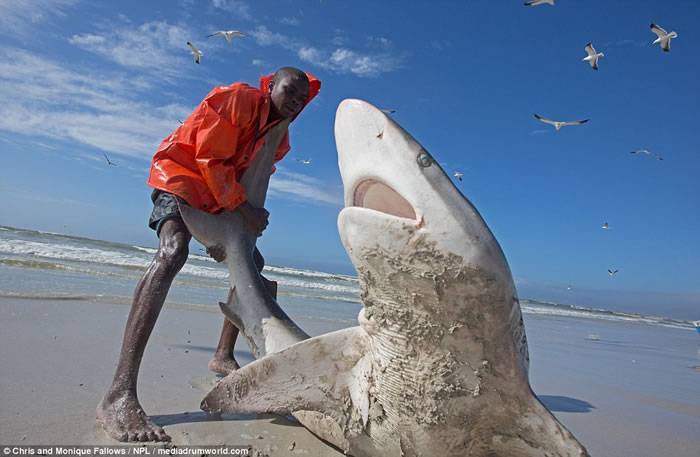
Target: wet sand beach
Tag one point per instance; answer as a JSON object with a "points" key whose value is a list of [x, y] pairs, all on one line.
{"points": [[630, 391]]}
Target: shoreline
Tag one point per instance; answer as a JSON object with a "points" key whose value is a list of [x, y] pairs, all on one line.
{"points": [[632, 392]]}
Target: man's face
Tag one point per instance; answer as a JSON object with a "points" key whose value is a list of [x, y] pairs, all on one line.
{"points": [[288, 95]]}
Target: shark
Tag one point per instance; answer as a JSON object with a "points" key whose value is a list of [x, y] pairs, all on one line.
{"points": [[263, 323], [438, 364]]}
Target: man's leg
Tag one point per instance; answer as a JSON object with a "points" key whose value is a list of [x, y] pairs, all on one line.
{"points": [[120, 412], [223, 361]]}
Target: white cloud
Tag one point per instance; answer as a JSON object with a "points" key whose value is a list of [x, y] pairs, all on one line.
{"points": [[347, 60], [259, 63], [52, 104], [379, 42], [237, 7], [87, 39], [265, 37], [49, 99], [343, 60], [291, 20], [298, 186], [339, 60], [309, 54], [20, 16], [520, 281], [157, 47]]}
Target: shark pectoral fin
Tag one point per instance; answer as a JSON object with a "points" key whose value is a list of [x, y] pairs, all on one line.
{"points": [[228, 308], [534, 432], [552, 435], [327, 374]]}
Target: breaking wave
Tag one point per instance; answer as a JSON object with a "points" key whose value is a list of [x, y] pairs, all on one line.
{"points": [[34, 250]]}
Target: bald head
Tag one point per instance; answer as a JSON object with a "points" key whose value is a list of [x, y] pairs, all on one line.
{"points": [[289, 89], [290, 72]]}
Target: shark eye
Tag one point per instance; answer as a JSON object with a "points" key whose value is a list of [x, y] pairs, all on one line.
{"points": [[424, 160], [378, 196]]}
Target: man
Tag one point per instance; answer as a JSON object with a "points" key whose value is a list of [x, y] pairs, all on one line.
{"points": [[200, 164]]}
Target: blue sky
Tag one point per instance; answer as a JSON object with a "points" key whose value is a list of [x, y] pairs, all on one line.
{"points": [[80, 78]]}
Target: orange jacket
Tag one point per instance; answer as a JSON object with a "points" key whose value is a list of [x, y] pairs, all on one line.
{"points": [[203, 160]]}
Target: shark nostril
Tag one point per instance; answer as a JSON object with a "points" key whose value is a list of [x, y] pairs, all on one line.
{"points": [[380, 197]]}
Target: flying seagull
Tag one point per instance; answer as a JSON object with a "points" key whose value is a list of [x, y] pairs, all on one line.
{"points": [[612, 272], [458, 174], [539, 2], [304, 161], [664, 38], [195, 52], [605, 226], [647, 153], [228, 34], [109, 162], [593, 56], [559, 124]]}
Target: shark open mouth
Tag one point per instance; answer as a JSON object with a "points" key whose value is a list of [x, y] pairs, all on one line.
{"points": [[376, 195]]}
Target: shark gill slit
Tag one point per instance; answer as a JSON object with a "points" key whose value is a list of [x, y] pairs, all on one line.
{"points": [[378, 196]]}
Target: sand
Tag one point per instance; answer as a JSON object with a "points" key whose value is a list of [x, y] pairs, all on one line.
{"points": [[58, 357]]}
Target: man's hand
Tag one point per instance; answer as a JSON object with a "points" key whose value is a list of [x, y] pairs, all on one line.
{"points": [[217, 252], [255, 218]]}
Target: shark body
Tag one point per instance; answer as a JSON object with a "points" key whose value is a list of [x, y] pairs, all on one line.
{"points": [[439, 362]]}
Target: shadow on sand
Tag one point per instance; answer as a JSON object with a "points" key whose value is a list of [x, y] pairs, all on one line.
{"points": [[557, 403], [191, 417], [242, 357]]}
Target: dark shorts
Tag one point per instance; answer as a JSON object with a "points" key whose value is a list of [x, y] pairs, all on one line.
{"points": [[164, 208]]}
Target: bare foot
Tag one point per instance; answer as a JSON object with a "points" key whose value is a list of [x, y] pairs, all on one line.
{"points": [[124, 419], [223, 364]]}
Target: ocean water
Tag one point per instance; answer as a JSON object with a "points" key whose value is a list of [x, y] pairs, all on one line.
{"points": [[623, 383], [43, 265]]}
